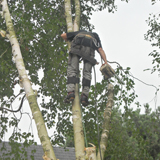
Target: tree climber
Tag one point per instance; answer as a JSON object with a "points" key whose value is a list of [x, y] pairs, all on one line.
{"points": [[83, 45]]}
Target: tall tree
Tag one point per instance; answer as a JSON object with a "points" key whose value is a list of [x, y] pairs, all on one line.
{"points": [[76, 109], [23, 78]]}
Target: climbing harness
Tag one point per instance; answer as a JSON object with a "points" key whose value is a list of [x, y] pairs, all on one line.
{"points": [[86, 39], [84, 45]]}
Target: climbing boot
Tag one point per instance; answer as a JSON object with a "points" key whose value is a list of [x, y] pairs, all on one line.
{"points": [[84, 100], [70, 97]]}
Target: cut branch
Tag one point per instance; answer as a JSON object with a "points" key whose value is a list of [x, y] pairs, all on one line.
{"points": [[106, 123], [90, 152], [3, 33]]}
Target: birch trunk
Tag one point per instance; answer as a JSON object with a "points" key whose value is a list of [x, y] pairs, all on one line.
{"points": [[68, 14], [106, 123], [76, 108], [42, 132], [77, 15], [78, 127]]}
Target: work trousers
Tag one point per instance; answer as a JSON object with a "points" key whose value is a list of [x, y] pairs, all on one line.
{"points": [[73, 70]]}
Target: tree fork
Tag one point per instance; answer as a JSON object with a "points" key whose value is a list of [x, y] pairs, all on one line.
{"points": [[31, 97]]}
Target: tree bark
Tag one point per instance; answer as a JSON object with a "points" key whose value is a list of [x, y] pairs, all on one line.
{"points": [[3, 33], [106, 123], [31, 97], [68, 14], [76, 108], [78, 127], [77, 15]]}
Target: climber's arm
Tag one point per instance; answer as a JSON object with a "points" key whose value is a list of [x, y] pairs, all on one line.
{"points": [[103, 55]]}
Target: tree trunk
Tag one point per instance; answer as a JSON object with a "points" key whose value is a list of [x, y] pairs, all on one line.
{"points": [[77, 15], [106, 123], [76, 108], [42, 132], [78, 127], [68, 14]]}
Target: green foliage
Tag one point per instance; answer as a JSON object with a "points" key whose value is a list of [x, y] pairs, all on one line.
{"points": [[137, 135], [4, 126], [154, 1], [15, 150], [153, 35], [132, 135], [69, 142]]}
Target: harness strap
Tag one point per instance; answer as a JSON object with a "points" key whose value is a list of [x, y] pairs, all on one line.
{"points": [[86, 82], [83, 45], [84, 35], [72, 80], [87, 35]]}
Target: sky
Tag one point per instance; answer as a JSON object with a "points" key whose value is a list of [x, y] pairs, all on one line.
{"points": [[122, 37]]}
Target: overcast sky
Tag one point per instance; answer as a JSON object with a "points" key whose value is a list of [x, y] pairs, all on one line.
{"points": [[122, 37]]}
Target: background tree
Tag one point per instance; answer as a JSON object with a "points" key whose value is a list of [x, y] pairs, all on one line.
{"points": [[153, 35]]}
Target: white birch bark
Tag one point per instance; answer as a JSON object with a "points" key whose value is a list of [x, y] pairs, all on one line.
{"points": [[76, 108], [106, 123], [68, 14], [77, 15], [17, 56], [78, 127], [3, 33]]}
